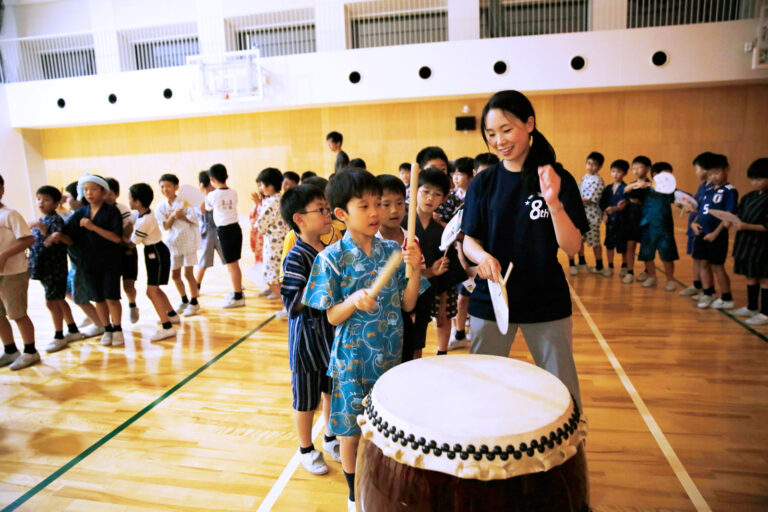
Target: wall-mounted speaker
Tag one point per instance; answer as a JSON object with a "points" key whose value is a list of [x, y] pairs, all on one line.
{"points": [[466, 123]]}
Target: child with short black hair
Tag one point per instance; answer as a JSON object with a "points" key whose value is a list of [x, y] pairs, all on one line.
{"points": [[711, 244], [157, 258], [612, 203], [15, 239], [404, 171], [129, 265], [591, 188], [658, 230], [462, 176], [182, 236], [48, 264], [340, 278], [272, 226], [306, 175], [310, 336], [696, 291], [357, 163], [290, 180], [223, 203], [334, 141], [750, 249], [209, 240], [463, 172], [633, 214], [484, 161]]}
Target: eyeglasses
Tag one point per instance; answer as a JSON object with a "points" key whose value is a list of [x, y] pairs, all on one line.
{"points": [[323, 211], [426, 193]]}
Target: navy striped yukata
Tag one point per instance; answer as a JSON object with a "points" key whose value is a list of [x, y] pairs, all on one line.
{"points": [[309, 334], [750, 249]]}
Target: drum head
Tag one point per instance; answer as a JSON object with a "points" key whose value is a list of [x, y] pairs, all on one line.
{"points": [[473, 416]]}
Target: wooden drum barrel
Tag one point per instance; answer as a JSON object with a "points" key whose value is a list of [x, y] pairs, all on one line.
{"points": [[471, 433]]}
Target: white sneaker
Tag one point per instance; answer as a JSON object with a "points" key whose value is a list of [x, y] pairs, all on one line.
{"points": [[705, 301], [272, 296], [457, 344], [85, 323], [351, 507], [691, 290], [106, 339], [622, 271], [745, 311], [25, 360], [56, 344], [642, 276], [282, 314], [573, 270], [134, 314], [264, 292], [333, 448], [758, 319], [232, 303], [582, 266], [7, 359], [192, 310], [722, 304], [117, 339], [593, 270], [697, 297], [651, 281], [607, 271], [92, 331], [182, 307], [628, 279], [175, 319], [670, 286], [314, 462], [74, 336], [162, 334]]}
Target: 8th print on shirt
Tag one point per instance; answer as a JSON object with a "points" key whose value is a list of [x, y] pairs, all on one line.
{"points": [[536, 210]]}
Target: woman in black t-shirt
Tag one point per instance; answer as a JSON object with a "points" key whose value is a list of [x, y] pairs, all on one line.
{"points": [[522, 210]]}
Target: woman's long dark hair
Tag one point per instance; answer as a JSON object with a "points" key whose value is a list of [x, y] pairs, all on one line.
{"points": [[541, 153]]}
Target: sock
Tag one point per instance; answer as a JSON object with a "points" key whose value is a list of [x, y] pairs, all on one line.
{"points": [[131, 304], [193, 301], [328, 438], [29, 348], [72, 328], [710, 291], [460, 335], [582, 260], [59, 335], [753, 294], [571, 262], [351, 483], [726, 296], [172, 314], [238, 295], [599, 265], [108, 328], [199, 285], [630, 272], [117, 328], [442, 352], [764, 301], [307, 449], [623, 265], [697, 285], [167, 325], [10, 349], [184, 299], [610, 265]]}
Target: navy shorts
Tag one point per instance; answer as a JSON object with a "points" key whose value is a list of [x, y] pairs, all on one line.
{"points": [[614, 238], [658, 240], [130, 263], [307, 389], [55, 286], [689, 244], [157, 259], [714, 252], [231, 239], [103, 284]]}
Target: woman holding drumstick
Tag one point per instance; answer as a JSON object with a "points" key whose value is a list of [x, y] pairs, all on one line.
{"points": [[522, 210]]}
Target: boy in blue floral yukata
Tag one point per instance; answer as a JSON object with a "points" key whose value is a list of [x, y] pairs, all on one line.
{"points": [[369, 330]]}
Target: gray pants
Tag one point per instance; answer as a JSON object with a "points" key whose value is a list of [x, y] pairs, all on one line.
{"points": [[550, 344]]}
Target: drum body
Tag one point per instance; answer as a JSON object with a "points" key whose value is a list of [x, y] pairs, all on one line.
{"points": [[470, 433]]}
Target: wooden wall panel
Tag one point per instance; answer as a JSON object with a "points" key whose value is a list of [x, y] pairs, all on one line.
{"points": [[672, 125]]}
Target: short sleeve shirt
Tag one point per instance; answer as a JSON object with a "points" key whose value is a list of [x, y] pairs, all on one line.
{"points": [[48, 261], [716, 198], [146, 230], [183, 237], [13, 227], [657, 211], [700, 193], [223, 202], [98, 252], [367, 344], [513, 224], [342, 160]]}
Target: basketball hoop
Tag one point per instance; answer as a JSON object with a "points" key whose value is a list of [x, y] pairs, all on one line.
{"points": [[227, 76]]}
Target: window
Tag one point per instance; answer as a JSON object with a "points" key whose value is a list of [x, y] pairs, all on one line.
{"points": [[164, 54], [658, 13], [278, 40], [399, 28], [68, 63], [532, 17]]}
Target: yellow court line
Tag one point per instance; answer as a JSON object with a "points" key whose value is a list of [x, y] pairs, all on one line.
{"points": [[677, 466]]}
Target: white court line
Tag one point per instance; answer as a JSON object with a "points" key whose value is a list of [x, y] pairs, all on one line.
{"points": [[285, 476], [677, 466]]}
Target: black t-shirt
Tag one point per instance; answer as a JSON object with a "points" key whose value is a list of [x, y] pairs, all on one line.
{"points": [[514, 224], [342, 160], [98, 252]]}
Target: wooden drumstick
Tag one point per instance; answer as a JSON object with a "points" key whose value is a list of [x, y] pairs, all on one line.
{"points": [[506, 276], [392, 263], [412, 211]]}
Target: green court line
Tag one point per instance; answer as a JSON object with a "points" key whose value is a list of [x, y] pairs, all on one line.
{"points": [[127, 423], [727, 314]]}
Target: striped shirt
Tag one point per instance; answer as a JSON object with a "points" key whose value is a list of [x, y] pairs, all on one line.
{"points": [[752, 245], [183, 237], [309, 334]]}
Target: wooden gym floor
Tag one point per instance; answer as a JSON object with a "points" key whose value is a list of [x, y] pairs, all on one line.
{"points": [[675, 396]]}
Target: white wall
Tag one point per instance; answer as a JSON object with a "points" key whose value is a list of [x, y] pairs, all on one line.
{"points": [[698, 54], [55, 17], [14, 167]]}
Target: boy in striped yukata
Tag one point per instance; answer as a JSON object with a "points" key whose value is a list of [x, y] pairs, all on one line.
{"points": [[310, 335]]}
